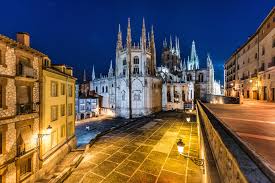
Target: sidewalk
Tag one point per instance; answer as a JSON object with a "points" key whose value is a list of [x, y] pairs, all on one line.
{"points": [[97, 125], [144, 152]]}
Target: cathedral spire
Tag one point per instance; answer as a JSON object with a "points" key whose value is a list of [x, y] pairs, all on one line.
{"points": [[209, 62], [111, 70], [93, 73], [119, 38], [194, 59], [153, 51], [84, 76], [143, 35], [165, 43], [129, 37], [171, 44], [148, 37]]}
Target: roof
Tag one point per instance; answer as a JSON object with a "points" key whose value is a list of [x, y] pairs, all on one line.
{"points": [[14, 43]]}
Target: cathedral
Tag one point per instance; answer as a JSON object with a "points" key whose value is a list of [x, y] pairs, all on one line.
{"points": [[136, 87]]}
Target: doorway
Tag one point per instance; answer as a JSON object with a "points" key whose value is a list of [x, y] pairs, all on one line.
{"points": [[265, 93]]}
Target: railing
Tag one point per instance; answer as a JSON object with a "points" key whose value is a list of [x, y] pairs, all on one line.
{"points": [[233, 159], [254, 75], [261, 69], [25, 108], [271, 64], [26, 71]]}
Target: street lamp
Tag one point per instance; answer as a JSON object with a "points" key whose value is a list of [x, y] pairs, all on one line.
{"points": [[197, 161], [188, 119], [250, 81], [48, 132], [40, 136]]}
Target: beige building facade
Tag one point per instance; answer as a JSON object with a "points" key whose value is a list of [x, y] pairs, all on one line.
{"points": [[22, 127], [250, 71], [19, 109]]}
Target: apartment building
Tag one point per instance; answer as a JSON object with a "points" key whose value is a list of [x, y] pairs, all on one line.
{"points": [[19, 108], [250, 71], [25, 80], [57, 112]]}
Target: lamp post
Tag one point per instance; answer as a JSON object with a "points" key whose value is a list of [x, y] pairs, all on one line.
{"points": [[197, 161], [40, 136]]}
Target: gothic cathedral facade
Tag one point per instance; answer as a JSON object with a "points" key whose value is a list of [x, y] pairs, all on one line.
{"points": [[136, 87]]}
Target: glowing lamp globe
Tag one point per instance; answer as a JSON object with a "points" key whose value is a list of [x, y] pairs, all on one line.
{"points": [[49, 129], [180, 145], [188, 119]]}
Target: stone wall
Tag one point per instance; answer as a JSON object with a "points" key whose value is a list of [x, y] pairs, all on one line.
{"points": [[218, 99], [232, 161]]}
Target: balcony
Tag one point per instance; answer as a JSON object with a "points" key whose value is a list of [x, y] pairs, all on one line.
{"points": [[272, 64], [254, 75], [26, 72], [26, 108], [261, 69]]}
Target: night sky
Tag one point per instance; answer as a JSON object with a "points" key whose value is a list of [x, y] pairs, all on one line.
{"points": [[82, 33]]}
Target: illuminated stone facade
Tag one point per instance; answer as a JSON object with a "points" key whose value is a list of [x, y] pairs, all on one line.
{"points": [[19, 109], [135, 63], [184, 82], [24, 73], [152, 89], [250, 71]]}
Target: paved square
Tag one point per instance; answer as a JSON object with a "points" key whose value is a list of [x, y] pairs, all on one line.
{"points": [[144, 151]]}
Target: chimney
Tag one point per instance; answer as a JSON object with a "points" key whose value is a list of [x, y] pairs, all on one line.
{"points": [[23, 38]]}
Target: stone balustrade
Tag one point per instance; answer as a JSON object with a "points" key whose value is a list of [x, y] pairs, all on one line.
{"points": [[232, 161]]}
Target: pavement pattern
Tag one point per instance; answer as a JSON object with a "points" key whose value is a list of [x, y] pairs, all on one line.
{"points": [[144, 151], [254, 122], [97, 126]]}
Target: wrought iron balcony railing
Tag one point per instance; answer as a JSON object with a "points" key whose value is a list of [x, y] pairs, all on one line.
{"points": [[254, 75], [26, 71], [26, 108], [271, 64], [261, 69]]}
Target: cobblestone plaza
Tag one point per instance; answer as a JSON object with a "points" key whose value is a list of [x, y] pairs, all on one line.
{"points": [[144, 151]]}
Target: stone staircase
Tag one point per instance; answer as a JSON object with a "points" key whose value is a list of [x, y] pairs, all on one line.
{"points": [[63, 168]]}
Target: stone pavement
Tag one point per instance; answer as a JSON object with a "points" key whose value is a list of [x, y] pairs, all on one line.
{"points": [[144, 151], [97, 126], [254, 123]]}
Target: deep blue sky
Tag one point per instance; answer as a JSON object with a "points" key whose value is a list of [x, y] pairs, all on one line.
{"points": [[82, 33]]}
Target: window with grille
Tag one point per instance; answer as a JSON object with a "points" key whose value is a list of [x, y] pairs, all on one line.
{"points": [[62, 89], [70, 109], [62, 131], [62, 110], [70, 90], [136, 60], [54, 89], [136, 70], [54, 113], [25, 166]]}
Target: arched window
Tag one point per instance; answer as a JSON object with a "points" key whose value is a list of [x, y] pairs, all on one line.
{"points": [[106, 89], [102, 89], [136, 60], [200, 77], [189, 77], [124, 61]]}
